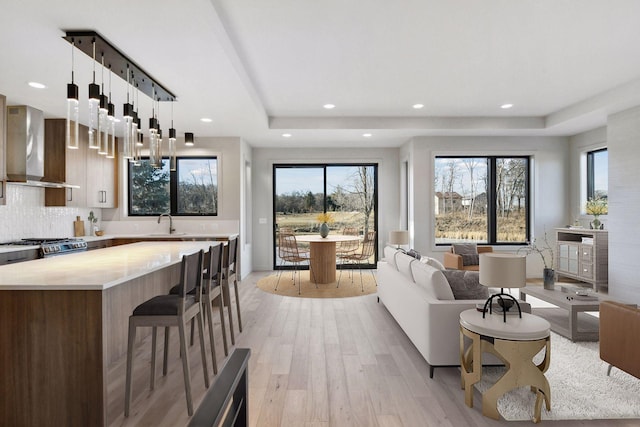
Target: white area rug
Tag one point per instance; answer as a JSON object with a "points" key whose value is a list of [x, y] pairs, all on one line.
{"points": [[580, 388]]}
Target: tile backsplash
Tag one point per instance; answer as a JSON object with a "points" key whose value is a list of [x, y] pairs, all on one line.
{"points": [[25, 216]]}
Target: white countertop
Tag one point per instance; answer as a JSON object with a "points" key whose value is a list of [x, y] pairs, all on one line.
{"points": [[99, 269]]}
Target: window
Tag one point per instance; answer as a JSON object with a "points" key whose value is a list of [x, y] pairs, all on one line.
{"points": [[481, 199], [348, 192], [190, 190], [597, 174]]}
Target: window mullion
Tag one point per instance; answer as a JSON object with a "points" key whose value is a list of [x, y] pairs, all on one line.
{"points": [[492, 201]]}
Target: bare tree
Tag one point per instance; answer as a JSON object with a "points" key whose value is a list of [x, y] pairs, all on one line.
{"points": [[363, 188]]}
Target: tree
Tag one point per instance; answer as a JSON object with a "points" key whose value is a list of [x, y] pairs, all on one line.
{"points": [[363, 184], [149, 189]]}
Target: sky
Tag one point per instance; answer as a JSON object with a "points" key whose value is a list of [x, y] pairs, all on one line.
{"points": [[305, 179]]}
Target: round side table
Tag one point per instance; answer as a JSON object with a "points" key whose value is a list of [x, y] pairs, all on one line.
{"points": [[515, 342]]}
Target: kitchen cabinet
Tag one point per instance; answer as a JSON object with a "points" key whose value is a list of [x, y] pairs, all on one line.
{"points": [[3, 156], [98, 244], [583, 255], [18, 256], [66, 165], [101, 181]]}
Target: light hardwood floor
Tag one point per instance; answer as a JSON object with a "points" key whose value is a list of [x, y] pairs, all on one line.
{"points": [[314, 362]]}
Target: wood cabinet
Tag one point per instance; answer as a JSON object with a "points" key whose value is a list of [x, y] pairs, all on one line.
{"points": [[18, 256], [3, 149], [583, 255], [66, 165], [94, 174], [101, 181]]}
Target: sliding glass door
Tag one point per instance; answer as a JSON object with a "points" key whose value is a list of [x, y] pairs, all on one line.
{"points": [[347, 192]]}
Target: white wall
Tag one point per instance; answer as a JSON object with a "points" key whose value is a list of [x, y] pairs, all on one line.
{"points": [[25, 216], [245, 169], [550, 192], [623, 134], [262, 174]]}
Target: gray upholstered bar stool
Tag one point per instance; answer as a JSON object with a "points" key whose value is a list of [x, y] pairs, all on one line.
{"points": [[229, 266], [171, 310]]}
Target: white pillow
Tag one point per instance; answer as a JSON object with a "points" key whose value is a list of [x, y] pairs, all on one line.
{"points": [[404, 262], [432, 262], [432, 281], [390, 256]]}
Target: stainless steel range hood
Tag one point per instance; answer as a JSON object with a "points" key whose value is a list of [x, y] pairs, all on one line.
{"points": [[25, 147]]}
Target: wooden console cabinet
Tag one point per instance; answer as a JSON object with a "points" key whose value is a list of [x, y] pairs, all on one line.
{"points": [[583, 255]]}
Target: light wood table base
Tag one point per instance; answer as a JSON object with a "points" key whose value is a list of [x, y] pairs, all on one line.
{"points": [[518, 357]]}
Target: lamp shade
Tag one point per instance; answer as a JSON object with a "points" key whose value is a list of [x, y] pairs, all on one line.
{"points": [[503, 270], [399, 237]]}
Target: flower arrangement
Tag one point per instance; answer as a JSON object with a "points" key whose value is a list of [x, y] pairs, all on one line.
{"points": [[325, 218], [545, 251], [597, 206]]}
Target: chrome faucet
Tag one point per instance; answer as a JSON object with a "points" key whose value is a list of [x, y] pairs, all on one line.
{"points": [[171, 229]]}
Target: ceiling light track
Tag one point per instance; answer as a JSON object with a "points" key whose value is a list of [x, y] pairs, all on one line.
{"points": [[119, 63]]}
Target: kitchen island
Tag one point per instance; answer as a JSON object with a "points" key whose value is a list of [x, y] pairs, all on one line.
{"points": [[63, 322]]}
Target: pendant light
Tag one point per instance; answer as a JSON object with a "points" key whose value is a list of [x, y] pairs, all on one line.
{"points": [[103, 123], [153, 135], [188, 139], [72, 126], [111, 123], [172, 144], [94, 103], [127, 113], [133, 138]]}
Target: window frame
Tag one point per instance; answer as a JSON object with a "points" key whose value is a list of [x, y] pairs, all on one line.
{"points": [[492, 214], [591, 172], [173, 188]]}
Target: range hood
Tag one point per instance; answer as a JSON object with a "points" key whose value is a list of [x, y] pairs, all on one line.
{"points": [[25, 147]]}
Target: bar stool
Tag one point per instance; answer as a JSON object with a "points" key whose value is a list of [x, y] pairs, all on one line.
{"points": [[171, 310], [229, 266]]}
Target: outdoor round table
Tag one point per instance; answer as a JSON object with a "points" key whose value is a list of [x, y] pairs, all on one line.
{"points": [[323, 254], [515, 342]]}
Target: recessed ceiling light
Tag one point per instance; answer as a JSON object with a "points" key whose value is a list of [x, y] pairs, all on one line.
{"points": [[506, 106], [418, 106], [286, 135], [206, 120], [367, 135], [37, 85], [329, 106]]}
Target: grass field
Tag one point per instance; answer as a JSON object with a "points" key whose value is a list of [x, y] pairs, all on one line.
{"points": [[307, 222]]}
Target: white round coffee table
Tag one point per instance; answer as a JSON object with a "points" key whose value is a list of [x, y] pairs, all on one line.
{"points": [[515, 342]]}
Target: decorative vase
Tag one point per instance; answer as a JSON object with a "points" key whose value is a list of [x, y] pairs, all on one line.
{"points": [[549, 275], [324, 230], [596, 224]]}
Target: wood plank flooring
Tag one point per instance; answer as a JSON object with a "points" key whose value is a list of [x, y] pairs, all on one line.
{"points": [[314, 363]]}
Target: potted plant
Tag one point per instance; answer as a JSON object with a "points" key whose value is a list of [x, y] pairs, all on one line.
{"points": [[324, 219], [545, 250], [93, 222], [597, 206]]}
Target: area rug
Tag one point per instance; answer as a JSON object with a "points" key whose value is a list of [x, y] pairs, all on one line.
{"points": [[329, 290], [580, 387]]}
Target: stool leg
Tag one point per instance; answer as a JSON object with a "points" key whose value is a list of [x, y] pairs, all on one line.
{"points": [[185, 366], [203, 352], [222, 323], [165, 361], [130, 344], [229, 311], [235, 286], [208, 314], [154, 339]]}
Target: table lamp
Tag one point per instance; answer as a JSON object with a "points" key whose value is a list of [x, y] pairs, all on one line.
{"points": [[499, 270], [398, 238]]}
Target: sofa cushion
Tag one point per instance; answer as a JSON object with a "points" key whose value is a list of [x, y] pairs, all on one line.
{"points": [[431, 280], [403, 261], [432, 262], [390, 256], [464, 248], [414, 253], [465, 284], [470, 259]]}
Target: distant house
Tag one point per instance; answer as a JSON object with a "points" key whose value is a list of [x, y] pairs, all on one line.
{"points": [[447, 202]]}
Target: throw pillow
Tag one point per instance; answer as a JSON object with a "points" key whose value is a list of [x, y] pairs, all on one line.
{"points": [[470, 259], [466, 284], [465, 248], [432, 262], [432, 281], [414, 253]]}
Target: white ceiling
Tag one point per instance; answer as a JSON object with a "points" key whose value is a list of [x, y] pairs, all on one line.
{"points": [[261, 68]]}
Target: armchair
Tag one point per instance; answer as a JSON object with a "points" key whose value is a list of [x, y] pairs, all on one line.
{"points": [[455, 258], [619, 330]]}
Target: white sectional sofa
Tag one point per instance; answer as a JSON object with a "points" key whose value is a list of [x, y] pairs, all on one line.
{"points": [[419, 297]]}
